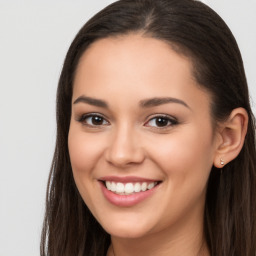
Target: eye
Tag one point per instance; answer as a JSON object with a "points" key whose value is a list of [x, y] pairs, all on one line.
{"points": [[93, 120], [162, 122]]}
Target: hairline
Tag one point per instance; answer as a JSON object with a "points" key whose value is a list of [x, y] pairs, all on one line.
{"points": [[178, 48]]}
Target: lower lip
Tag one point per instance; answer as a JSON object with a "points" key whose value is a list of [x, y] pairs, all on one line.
{"points": [[126, 200]]}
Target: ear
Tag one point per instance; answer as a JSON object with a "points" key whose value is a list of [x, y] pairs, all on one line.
{"points": [[231, 135]]}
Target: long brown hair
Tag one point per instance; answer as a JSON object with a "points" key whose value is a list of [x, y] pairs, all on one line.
{"points": [[192, 29]]}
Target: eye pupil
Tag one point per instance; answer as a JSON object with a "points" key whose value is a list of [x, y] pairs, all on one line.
{"points": [[161, 121], [97, 120]]}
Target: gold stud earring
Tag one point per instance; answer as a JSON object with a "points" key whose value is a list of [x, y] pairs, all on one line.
{"points": [[222, 161]]}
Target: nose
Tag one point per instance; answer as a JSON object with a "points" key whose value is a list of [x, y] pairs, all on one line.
{"points": [[124, 148]]}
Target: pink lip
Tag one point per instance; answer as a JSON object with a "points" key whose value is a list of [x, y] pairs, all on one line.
{"points": [[126, 200]]}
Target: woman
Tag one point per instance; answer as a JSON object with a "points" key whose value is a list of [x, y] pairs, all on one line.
{"points": [[155, 151]]}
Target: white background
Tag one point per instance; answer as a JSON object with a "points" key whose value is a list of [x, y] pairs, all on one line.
{"points": [[34, 38]]}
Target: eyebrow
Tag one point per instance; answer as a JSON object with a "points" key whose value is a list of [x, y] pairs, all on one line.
{"points": [[91, 101], [160, 101], [147, 103]]}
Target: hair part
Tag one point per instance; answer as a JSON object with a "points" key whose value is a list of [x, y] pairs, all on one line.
{"points": [[194, 30]]}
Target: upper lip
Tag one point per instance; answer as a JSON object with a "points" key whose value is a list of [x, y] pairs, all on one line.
{"points": [[126, 179]]}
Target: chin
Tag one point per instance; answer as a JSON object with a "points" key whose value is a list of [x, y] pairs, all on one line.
{"points": [[126, 229], [127, 233]]}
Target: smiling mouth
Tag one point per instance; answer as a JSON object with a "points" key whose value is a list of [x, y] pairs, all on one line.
{"points": [[129, 188]]}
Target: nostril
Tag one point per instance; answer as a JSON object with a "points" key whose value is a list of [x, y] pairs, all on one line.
{"points": [[124, 157]]}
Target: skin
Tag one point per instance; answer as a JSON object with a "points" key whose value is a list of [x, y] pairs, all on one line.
{"points": [[123, 71]]}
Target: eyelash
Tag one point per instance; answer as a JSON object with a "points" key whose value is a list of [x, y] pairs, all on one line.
{"points": [[171, 121], [83, 118]]}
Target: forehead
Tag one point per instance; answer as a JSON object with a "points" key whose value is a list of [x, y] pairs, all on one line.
{"points": [[133, 67], [135, 49]]}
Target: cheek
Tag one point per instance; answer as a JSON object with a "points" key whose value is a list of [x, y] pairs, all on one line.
{"points": [[84, 151], [185, 156]]}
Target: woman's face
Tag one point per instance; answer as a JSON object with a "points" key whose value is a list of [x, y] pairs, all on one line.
{"points": [[141, 141]]}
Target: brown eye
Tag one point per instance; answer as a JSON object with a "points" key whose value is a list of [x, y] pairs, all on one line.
{"points": [[97, 120], [93, 120], [161, 122]]}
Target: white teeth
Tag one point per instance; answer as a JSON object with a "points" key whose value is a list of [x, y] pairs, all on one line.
{"points": [[151, 185], [129, 188], [108, 185], [137, 187], [120, 187], [144, 186], [113, 186]]}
